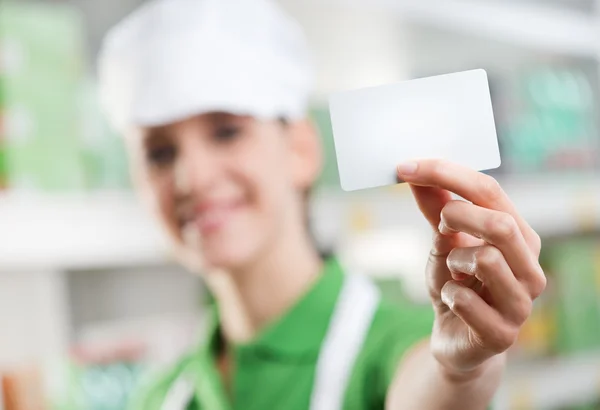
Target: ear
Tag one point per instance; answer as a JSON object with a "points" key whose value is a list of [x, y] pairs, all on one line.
{"points": [[307, 153]]}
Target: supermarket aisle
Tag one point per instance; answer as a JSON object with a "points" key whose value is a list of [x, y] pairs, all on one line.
{"points": [[75, 246]]}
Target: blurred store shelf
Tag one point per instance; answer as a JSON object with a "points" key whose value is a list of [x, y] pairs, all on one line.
{"points": [[551, 383], [538, 26], [553, 205], [557, 206], [77, 231], [111, 229]]}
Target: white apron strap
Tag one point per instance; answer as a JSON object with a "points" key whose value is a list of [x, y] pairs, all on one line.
{"points": [[347, 331], [180, 394]]}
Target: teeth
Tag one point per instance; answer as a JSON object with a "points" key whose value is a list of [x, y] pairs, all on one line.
{"points": [[212, 217]]}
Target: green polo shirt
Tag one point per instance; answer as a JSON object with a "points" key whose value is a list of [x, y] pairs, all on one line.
{"points": [[277, 369]]}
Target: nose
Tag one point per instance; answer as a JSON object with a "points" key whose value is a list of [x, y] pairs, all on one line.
{"points": [[195, 170]]}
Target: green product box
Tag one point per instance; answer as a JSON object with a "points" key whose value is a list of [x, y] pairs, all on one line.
{"points": [[103, 150], [554, 126], [3, 166], [330, 179], [3, 170], [538, 335], [96, 386], [574, 266], [42, 54]]}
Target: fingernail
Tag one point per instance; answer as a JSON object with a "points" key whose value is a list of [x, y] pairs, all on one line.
{"points": [[407, 168], [459, 276], [444, 230]]}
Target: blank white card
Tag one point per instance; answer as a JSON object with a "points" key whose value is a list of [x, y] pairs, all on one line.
{"points": [[448, 116]]}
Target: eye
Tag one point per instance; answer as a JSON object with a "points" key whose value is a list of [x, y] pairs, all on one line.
{"points": [[226, 133], [161, 155]]}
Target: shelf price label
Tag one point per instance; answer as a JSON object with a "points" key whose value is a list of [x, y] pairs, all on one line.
{"points": [[521, 397], [585, 208], [361, 218]]}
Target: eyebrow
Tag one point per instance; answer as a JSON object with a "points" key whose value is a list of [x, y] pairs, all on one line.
{"points": [[153, 135]]}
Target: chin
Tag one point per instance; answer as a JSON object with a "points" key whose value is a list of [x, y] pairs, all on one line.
{"points": [[230, 256], [229, 249]]}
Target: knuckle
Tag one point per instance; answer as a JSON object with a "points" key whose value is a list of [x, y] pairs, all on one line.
{"points": [[461, 301], [456, 206], [501, 339], [449, 212], [439, 169], [488, 258], [453, 255], [439, 246], [536, 243], [538, 284], [523, 310], [502, 226], [433, 280]]}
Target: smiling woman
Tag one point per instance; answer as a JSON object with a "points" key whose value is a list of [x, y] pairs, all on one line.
{"points": [[199, 88]]}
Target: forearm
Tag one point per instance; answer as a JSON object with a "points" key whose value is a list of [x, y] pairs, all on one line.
{"points": [[422, 383]]}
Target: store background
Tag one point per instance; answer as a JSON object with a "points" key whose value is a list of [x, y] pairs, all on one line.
{"points": [[89, 297]]}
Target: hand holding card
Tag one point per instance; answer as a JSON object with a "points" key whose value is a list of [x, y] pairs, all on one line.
{"points": [[483, 272]]}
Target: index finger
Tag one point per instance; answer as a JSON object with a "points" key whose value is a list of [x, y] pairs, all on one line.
{"points": [[476, 187]]}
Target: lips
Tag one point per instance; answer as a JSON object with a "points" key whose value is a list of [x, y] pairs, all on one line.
{"points": [[210, 217]]}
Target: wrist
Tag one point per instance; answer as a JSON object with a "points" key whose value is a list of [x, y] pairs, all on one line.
{"points": [[459, 376]]}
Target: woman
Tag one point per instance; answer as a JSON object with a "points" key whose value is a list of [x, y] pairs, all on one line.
{"points": [[211, 96]]}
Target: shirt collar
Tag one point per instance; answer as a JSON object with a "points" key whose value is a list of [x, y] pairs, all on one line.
{"points": [[301, 330]]}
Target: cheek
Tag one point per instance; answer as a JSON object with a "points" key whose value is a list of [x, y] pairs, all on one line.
{"points": [[269, 175]]}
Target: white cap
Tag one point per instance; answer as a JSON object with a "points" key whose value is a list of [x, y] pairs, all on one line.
{"points": [[172, 59]]}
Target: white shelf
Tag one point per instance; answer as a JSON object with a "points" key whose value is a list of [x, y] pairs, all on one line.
{"points": [[551, 384], [104, 229], [557, 206], [537, 26], [76, 231], [553, 206]]}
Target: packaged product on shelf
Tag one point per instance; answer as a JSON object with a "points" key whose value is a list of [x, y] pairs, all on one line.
{"points": [[102, 149], [537, 336], [329, 176], [102, 377], [553, 125], [109, 360], [22, 388], [3, 171], [3, 165], [42, 59], [574, 264]]}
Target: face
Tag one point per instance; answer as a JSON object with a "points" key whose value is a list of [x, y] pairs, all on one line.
{"points": [[226, 188]]}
